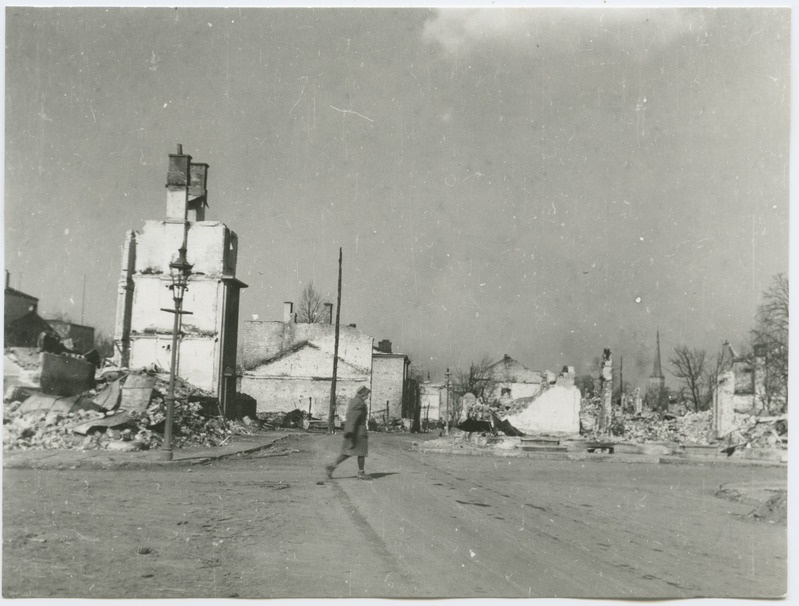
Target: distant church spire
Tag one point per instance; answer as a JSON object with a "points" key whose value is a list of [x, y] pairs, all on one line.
{"points": [[657, 372], [657, 382]]}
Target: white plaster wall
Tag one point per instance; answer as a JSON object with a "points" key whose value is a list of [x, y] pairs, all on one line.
{"points": [[307, 362], [280, 385], [150, 295], [284, 394], [210, 247], [518, 390], [264, 339], [353, 346], [556, 410], [196, 357]]}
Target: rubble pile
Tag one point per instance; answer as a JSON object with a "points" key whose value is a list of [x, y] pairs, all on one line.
{"points": [[775, 509], [758, 432], [692, 428], [590, 410], [126, 411], [285, 420]]}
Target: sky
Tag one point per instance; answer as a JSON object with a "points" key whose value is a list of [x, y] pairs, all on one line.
{"points": [[537, 182]]}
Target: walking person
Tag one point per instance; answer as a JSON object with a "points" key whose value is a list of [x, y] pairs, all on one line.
{"points": [[356, 440]]}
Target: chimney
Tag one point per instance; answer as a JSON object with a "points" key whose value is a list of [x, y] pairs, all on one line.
{"points": [[384, 346], [198, 192], [177, 186], [288, 308], [329, 312]]}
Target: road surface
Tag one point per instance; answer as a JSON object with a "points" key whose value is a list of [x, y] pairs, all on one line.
{"points": [[424, 525]]}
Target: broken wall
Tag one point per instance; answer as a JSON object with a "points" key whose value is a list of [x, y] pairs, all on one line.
{"points": [[211, 247], [143, 333], [556, 410], [517, 390]]}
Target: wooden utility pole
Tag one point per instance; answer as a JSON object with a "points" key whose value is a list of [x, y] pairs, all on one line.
{"points": [[332, 410], [83, 302]]}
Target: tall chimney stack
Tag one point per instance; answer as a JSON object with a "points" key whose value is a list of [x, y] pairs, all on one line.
{"points": [[177, 186]]}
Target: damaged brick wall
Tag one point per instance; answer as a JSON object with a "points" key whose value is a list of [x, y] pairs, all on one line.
{"points": [[388, 382]]}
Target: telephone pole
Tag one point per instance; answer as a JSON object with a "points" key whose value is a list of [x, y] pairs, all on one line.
{"points": [[332, 410]]}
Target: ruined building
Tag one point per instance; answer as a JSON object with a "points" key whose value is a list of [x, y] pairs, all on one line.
{"points": [[289, 365], [208, 336], [510, 380], [740, 387]]}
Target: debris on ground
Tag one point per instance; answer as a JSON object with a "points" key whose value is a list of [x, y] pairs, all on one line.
{"points": [[126, 410], [774, 510], [691, 428]]}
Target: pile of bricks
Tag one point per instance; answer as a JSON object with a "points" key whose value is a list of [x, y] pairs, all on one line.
{"points": [[692, 428], [89, 427]]}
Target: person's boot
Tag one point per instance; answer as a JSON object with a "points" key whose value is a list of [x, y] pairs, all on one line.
{"points": [[362, 475], [329, 471]]}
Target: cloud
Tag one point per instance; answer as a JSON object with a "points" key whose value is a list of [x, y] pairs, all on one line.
{"points": [[461, 30]]}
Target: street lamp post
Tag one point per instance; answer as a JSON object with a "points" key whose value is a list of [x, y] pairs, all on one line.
{"points": [[179, 272], [447, 374]]}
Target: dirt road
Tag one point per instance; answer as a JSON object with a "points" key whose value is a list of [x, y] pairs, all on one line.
{"points": [[425, 525]]}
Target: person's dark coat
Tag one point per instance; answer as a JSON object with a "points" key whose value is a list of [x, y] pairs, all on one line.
{"points": [[356, 441]]}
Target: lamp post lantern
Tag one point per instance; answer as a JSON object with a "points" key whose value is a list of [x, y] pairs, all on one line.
{"points": [[179, 272], [447, 374]]}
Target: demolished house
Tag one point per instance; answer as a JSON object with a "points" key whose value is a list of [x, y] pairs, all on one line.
{"points": [[555, 409], [510, 380], [739, 388], [208, 333], [520, 401], [288, 365]]}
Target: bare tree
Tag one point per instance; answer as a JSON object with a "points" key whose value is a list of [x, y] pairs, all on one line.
{"points": [[311, 308], [691, 367], [478, 380], [770, 339]]}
